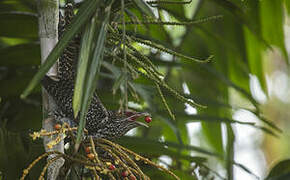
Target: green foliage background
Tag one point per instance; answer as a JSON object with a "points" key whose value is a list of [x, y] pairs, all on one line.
{"points": [[237, 41]]}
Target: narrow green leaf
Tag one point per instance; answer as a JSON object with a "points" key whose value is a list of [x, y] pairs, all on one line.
{"points": [[214, 119], [254, 49], [245, 169], [287, 4], [240, 16], [213, 134], [144, 7], [92, 75], [229, 83], [272, 16], [85, 11], [230, 151], [83, 62], [140, 144], [268, 122], [218, 119], [174, 128]]}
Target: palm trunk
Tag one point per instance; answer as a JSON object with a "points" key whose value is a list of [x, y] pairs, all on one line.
{"points": [[48, 33]]}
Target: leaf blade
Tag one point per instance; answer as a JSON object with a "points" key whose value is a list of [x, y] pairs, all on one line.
{"points": [[144, 7], [92, 77], [84, 13]]}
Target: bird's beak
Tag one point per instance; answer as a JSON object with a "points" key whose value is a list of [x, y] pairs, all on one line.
{"points": [[142, 114], [142, 124], [139, 114]]}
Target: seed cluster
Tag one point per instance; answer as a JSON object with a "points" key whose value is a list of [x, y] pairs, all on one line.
{"points": [[102, 157]]}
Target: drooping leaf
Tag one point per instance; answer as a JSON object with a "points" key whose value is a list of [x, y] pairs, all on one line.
{"points": [[230, 152], [140, 144], [85, 11], [254, 51], [83, 64], [92, 74]]}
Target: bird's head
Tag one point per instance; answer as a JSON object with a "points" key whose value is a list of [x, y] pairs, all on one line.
{"points": [[119, 123]]}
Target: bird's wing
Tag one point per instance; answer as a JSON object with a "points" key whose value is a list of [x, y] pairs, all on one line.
{"points": [[62, 93], [96, 113]]}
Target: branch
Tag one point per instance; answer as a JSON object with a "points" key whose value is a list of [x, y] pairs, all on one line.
{"points": [[48, 34]]}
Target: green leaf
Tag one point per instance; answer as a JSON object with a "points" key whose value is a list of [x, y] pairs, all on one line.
{"points": [[83, 63], [271, 15], [254, 50], [287, 4], [18, 24], [280, 171], [173, 127], [158, 148], [92, 74], [144, 7], [223, 78], [213, 134], [176, 10], [230, 151], [85, 11]]}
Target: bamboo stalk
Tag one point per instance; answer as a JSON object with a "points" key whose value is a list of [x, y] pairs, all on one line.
{"points": [[48, 11]]}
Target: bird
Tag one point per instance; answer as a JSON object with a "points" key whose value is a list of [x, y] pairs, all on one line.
{"points": [[100, 122]]}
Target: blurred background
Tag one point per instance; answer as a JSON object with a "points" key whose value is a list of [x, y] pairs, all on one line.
{"points": [[244, 131]]}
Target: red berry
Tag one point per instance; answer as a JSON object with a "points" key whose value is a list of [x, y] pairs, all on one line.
{"points": [[91, 156], [88, 149], [125, 173], [112, 167], [148, 119], [57, 126], [132, 177]]}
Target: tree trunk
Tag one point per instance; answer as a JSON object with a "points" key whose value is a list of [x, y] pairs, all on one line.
{"points": [[48, 12]]}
